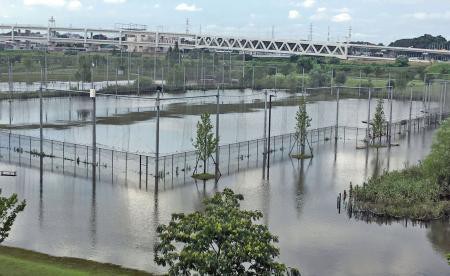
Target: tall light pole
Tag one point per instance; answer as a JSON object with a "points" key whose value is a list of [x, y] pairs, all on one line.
{"points": [[270, 127], [94, 123]]}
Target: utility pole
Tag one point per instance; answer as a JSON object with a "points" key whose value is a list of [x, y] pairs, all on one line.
{"points": [[349, 33], [265, 134], [41, 135], [253, 77], [157, 136], [217, 132], [268, 144], [187, 25], [94, 124], [390, 110], [336, 132], [368, 114], [310, 32], [328, 35], [107, 71], [410, 109]]}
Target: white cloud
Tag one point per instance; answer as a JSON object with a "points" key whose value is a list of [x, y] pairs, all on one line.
{"points": [[430, 16], [74, 5], [341, 17], [343, 10], [293, 14], [156, 6], [48, 3], [187, 7], [308, 3], [114, 1], [321, 14]]}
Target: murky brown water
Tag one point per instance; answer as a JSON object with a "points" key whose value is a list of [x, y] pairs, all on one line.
{"points": [[113, 222], [129, 124]]}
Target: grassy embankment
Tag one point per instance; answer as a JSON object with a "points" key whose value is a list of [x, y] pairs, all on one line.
{"points": [[420, 192], [18, 262]]}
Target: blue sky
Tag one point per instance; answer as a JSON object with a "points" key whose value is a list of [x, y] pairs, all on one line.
{"points": [[371, 20]]}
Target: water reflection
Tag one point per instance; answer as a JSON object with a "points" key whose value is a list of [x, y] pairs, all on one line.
{"points": [[92, 218]]}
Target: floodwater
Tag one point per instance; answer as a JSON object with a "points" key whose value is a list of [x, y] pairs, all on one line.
{"points": [[116, 222], [18, 87], [130, 124]]}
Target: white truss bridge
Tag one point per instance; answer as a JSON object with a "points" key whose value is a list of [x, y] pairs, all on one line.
{"points": [[148, 41]]}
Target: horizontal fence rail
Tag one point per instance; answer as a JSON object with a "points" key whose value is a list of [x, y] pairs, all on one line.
{"points": [[139, 170]]}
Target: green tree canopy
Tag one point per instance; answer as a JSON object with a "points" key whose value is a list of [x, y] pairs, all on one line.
{"points": [[205, 143], [221, 240], [9, 208], [402, 61], [379, 122], [84, 69], [318, 78], [303, 121], [341, 77]]}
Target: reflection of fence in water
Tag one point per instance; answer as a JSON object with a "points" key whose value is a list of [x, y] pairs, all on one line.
{"points": [[134, 169]]}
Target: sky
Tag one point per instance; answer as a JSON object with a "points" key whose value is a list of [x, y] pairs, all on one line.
{"points": [[370, 20]]}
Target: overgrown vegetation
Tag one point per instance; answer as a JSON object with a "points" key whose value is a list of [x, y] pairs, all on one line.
{"points": [[419, 192], [221, 240]]}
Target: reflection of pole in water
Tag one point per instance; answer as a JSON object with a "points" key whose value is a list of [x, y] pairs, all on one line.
{"points": [[93, 218], [41, 191]]}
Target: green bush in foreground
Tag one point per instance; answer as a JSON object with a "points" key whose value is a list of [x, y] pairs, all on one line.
{"points": [[418, 192], [9, 208], [221, 240]]}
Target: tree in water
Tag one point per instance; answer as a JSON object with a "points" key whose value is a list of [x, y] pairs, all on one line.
{"points": [[303, 121], [220, 240], [9, 208], [378, 123], [205, 143]]}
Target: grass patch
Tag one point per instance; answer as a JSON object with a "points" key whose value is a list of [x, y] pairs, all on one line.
{"points": [[301, 156], [203, 176], [401, 194], [16, 262]]}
